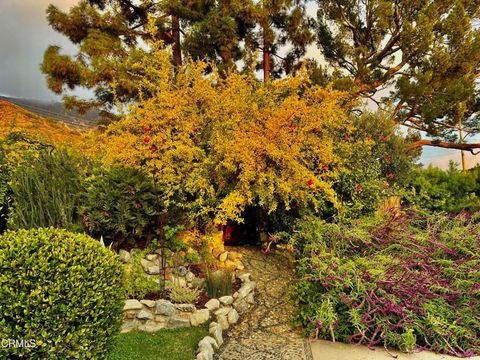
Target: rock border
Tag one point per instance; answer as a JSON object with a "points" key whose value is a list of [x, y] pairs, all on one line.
{"points": [[227, 311], [151, 316]]}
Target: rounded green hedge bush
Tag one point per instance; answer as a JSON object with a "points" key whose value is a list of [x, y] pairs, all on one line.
{"points": [[61, 293]]}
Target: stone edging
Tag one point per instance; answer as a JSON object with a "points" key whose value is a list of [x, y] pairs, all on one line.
{"points": [[226, 311]]}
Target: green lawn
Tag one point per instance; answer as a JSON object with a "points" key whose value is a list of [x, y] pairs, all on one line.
{"points": [[171, 344]]}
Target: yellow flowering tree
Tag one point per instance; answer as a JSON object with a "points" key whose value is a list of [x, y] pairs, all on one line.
{"points": [[217, 144]]}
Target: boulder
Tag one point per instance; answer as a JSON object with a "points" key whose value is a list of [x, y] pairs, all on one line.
{"points": [[190, 276], [212, 304], [233, 317], [199, 317], [179, 280], [206, 348], [128, 326], [153, 270], [146, 264], [124, 256], [204, 356], [132, 304], [152, 257], [216, 332], [145, 315], [135, 251], [246, 289], [151, 326], [148, 303], [223, 322], [176, 322], [250, 298], [130, 314], [244, 277], [164, 307], [226, 300], [241, 306], [210, 340], [223, 311]]}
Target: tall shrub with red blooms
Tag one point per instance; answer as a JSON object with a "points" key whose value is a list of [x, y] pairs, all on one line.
{"points": [[217, 144], [409, 282]]}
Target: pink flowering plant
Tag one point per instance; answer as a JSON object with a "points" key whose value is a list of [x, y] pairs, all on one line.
{"points": [[410, 282]]}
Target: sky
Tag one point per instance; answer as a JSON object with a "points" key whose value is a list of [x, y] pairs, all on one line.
{"points": [[25, 34]]}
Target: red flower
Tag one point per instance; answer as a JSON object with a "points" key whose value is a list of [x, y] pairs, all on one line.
{"points": [[383, 138], [386, 185], [153, 148], [387, 158], [358, 188], [325, 167], [391, 176], [137, 205], [146, 128], [292, 127], [147, 139], [310, 182]]}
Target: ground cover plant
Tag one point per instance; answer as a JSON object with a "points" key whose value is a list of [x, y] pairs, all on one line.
{"points": [[409, 281]]}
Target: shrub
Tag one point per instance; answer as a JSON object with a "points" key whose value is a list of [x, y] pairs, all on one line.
{"points": [[434, 189], [408, 281], [377, 164], [120, 203], [44, 192], [218, 283], [16, 150], [61, 289], [223, 143], [182, 294], [137, 283]]}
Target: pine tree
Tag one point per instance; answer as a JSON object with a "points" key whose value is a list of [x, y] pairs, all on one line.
{"points": [[427, 51]]}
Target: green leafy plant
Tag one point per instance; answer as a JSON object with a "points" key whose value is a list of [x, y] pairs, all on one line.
{"points": [[182, 294], [45, 192], [137, 282], [61, 289], [120, 204], [452, 190], [218, 283]]}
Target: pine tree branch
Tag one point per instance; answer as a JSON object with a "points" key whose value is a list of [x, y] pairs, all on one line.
{"points": [[446, 145]]}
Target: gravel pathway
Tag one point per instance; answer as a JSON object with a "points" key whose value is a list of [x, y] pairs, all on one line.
{"points": [[264, 332]]}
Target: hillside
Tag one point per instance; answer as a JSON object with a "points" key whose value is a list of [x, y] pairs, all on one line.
{"points": [[13, 117], [56, 111]]}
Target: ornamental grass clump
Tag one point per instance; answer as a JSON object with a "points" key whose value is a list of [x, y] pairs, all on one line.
{"points": [[218, 283], [409, 282]]}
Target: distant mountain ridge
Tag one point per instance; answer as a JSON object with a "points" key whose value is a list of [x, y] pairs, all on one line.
{"points": [[13, 118], [57, 111]]}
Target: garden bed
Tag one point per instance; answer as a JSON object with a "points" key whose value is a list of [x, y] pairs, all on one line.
{"points": [[411, 282]]}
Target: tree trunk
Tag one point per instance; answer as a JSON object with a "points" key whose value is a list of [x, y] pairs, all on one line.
{"points": [[266, 57], [177, 51]]}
